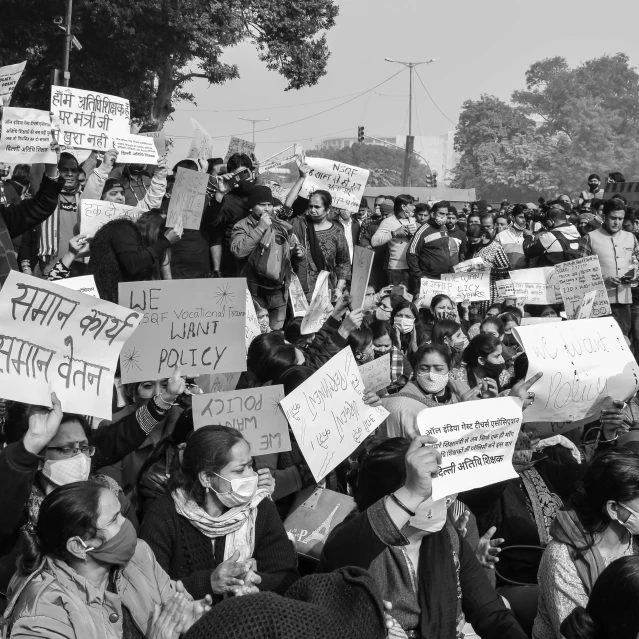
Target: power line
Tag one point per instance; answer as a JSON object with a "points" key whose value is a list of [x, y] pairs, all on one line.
{"points": [[431, 99]]}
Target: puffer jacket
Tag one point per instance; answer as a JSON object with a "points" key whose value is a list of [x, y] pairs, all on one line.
{"points": [[55, 601]]}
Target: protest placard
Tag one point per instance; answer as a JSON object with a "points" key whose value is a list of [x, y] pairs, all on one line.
{"points": [[202, 144], [328, 416], [474, 264], [237, 145], [135, 149], [84, 284], [297, 297], [9, 77], [430, 288], [376, 373], [476, 447], [293, 152], [578, 277], [252, 326], [187, 199], [25, 137], [96, 213], [583, 362], [505, 288], [255, 412], [344, 182], [159, 139], [218, 382], [536, 285], [88, 119], [584, 310], [278, 191], [362, 263], [474, 287], [315, 316], [196, 324], [55, 339]]}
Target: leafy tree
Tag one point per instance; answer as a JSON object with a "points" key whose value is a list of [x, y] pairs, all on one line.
{"points": [[146, 50]]}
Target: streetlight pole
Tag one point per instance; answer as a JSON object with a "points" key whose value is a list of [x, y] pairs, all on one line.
{"points": [[68, 43], [410, 140], [253, 121]]}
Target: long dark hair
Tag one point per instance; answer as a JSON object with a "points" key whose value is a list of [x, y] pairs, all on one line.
{"points": [[207, 450], [481, 345], [258, 349], [152, 226], [442, 329], [404, 340], [68, 511]]}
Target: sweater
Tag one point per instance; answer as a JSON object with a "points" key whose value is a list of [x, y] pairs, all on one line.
{"points": [[187, 554], [397, 246]]}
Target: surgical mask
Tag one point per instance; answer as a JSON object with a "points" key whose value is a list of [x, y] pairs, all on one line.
{"points": [[432, 382], [242, 490], [265, 326], [405, 324], [382, 314], [632, 523], [119, 550], [66, 471], [460, 345], [494, 370], [430, 516]]}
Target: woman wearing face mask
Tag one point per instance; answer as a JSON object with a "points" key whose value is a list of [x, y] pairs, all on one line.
{"points": [[403, 320], [483, 368], [510, 321], [449, 334], [401, 370], [602, 526], [217, 531], [361, 343], [495, 327], [84, 573], [420, 563], [384, 309]]}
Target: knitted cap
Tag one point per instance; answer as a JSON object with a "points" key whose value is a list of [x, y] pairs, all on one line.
{"points": [[259, 194], [343, 604], [112, 183]]}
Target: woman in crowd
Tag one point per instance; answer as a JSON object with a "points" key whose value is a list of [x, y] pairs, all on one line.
{"points": [[258, 349], [495, 326], [217, 531], [612, 611], [123, 251], [448, 333], [83, 573], [493, 311], [361, 343], [405, 322], [401, 370], [420, 563], [600, 528]]}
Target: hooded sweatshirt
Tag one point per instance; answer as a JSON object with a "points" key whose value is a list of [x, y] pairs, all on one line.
{"points": [[553, 247]]}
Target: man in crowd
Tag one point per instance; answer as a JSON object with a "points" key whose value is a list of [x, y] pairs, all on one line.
{"points": [[379, 273], [455, 231], [351, 229], [594, 189], [512, 238], [560, 243]]}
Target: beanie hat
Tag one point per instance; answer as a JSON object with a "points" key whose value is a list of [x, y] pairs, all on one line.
{"points": [[343, 604], [259, 194], [111, 183], [482, 205], [386, 208]]}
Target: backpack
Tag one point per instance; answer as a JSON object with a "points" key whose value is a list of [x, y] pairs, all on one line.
{"points": [[271, 258]]}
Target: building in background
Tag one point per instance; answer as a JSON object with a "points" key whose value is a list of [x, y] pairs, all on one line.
{"points": [[438, 150]]}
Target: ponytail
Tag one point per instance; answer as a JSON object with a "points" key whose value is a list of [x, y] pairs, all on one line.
{"points": [[32, 554]]}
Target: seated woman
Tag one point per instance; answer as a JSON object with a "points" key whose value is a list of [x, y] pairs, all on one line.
{"points": [[448, 333], [217, 531], [493, 311], [612, 611], [405, 322], [600, 528], [401, 370], [495, 326], [419, 562], [84, 573], [361, 343]]}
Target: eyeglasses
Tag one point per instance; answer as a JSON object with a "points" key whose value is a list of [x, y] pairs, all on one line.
{"points": [[72, 451]]}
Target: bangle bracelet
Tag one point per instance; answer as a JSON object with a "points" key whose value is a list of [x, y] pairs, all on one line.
{"points": [[164, 401], [405, 508], [607, 441]]}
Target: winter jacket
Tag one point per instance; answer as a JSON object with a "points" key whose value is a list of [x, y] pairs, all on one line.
{"points": [[553, 247]]}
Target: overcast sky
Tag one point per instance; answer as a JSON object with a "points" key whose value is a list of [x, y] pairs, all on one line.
{"points": [[480, 47]]}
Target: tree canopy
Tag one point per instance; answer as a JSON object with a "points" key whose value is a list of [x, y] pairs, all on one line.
{"points": [[566, 123], [147, 50]]}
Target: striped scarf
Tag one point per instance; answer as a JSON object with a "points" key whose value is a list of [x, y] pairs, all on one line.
{"points": [[50, 228]]}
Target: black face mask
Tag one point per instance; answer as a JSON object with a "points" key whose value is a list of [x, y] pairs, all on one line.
{"points": [[494, 370]]}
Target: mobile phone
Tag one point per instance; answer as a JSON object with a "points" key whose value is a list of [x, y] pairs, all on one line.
{"points": [[240, 175]]}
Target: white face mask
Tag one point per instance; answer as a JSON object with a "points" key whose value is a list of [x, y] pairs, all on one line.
{"points": [[382, 314], [430, 516], [242, 489], [632, 523], [66, 471], [405, 324], [432, 382]]}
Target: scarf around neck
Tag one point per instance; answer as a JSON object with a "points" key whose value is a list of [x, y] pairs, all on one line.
{"points": [[236, 524], [50, 228]]}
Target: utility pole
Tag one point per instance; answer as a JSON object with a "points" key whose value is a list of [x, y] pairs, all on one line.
{"points": [[68, 43], [253, 121], [410, 140]]}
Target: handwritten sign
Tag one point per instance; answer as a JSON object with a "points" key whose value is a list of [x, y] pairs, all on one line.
{"points": [[583, 362], [344, 182], [202, 144], [328, 416], [505, 288], [362, 264], [584, 311], [9, 77], [96, 213], [474, 287], [187, 199], [297, 297], [431, 288], [84, 284], [196, 324], [578, 277], [536, 285], [26, 136], [237, 145], [252, 326], [56, 339], [135, 149], [476, 448], [88, 119], [293, 152], [159, 139], [376, 373], [474, 264], [279, 192], [255, 412], [217, 383], [314, 318]]}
